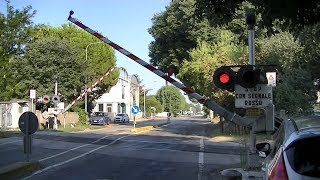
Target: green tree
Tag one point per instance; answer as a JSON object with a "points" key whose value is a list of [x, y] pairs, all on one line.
{"points": [[310, 40], [294, 14], [239, 27], [282, 50], [176, 31], [99, 58], [187, 107], [198, 108], [295, 91], [171, 99], [152, 105], [15, 32], [44, 61], [197, 71]]}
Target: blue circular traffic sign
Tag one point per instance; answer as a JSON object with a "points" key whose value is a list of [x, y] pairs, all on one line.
{"points": [[135, 109]]}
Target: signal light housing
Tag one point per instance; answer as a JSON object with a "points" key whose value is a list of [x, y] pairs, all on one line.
{"points": [[224, 78], [248, 76]]}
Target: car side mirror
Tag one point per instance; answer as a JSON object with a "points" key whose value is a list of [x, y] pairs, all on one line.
{"points": [[263, 147]]}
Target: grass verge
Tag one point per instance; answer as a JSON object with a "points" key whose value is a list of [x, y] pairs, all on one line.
{"points": [[76, 128], [19, 169], [5, 133]]}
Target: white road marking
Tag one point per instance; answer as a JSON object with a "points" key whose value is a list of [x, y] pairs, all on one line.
{"points": [[201, 160], [84, 145], [9, 142], [74, 158], [162, 149], [154, 142], [75, 148], [2, 150]]}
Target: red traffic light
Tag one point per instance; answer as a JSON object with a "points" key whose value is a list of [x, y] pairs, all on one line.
{"points": [[224, 78], [45, 99]]}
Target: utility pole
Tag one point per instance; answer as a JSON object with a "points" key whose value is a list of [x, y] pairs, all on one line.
{"points": [[144, 102], [55, 104]]}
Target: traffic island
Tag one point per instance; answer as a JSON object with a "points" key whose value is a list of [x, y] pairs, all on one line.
{"points": [[140, 129], [18, 169], [147, 128]]}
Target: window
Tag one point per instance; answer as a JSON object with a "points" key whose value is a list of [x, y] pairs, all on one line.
{"points": [[100, 107], [124, 109], [109, 108], [123, 95], [134, 96]]}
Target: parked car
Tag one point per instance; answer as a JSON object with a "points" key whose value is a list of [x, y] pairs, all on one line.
{"points": [[99, 118], [295, 153], [121, 117]]}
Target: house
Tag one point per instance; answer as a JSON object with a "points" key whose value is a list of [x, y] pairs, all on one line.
{"points": [[121, 97], [10, 112]]}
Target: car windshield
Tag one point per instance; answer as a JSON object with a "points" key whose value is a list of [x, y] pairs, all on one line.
{"points": [[98, 114], [303, 122], [120, 114], [303, 154], [304, 157]]}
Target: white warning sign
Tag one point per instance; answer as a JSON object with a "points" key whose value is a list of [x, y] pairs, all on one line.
{"points": [[272, 79], [257, 97]]}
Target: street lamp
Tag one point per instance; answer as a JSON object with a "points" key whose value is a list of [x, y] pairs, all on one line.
{"points": [[86, 79], [144, 101]]}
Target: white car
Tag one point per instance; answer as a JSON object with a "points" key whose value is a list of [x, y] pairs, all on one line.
{"points": [[121, 117], [295, 154]]}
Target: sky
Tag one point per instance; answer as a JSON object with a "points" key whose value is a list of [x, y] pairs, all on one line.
{"points": [[125, 22]]}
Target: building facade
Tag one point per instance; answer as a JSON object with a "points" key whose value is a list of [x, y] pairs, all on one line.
{"points": [[11, 111], [121, 97]]}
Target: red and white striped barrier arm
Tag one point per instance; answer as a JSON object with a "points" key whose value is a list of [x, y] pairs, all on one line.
{"points": [[210, 104], [88, 89]]}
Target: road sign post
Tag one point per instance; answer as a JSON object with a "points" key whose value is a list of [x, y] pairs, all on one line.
{"points": [[28, 124], [134, 110], [32, 97]]}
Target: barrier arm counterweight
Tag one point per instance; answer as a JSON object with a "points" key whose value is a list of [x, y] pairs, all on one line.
{"points": [[207, 102], [88, 89]]}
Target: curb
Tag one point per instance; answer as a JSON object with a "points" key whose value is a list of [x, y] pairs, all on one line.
{"points": [[17, 169], [243, 174], [147, 128]]}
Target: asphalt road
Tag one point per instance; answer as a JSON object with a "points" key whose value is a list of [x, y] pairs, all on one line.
{"points": [[182, 149]]}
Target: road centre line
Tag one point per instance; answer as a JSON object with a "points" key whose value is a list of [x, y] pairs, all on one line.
{"points": [[157, 142], [74, 158], [9, 142], [75, 148], [163, 149], [3, 150], [201, 160]]}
